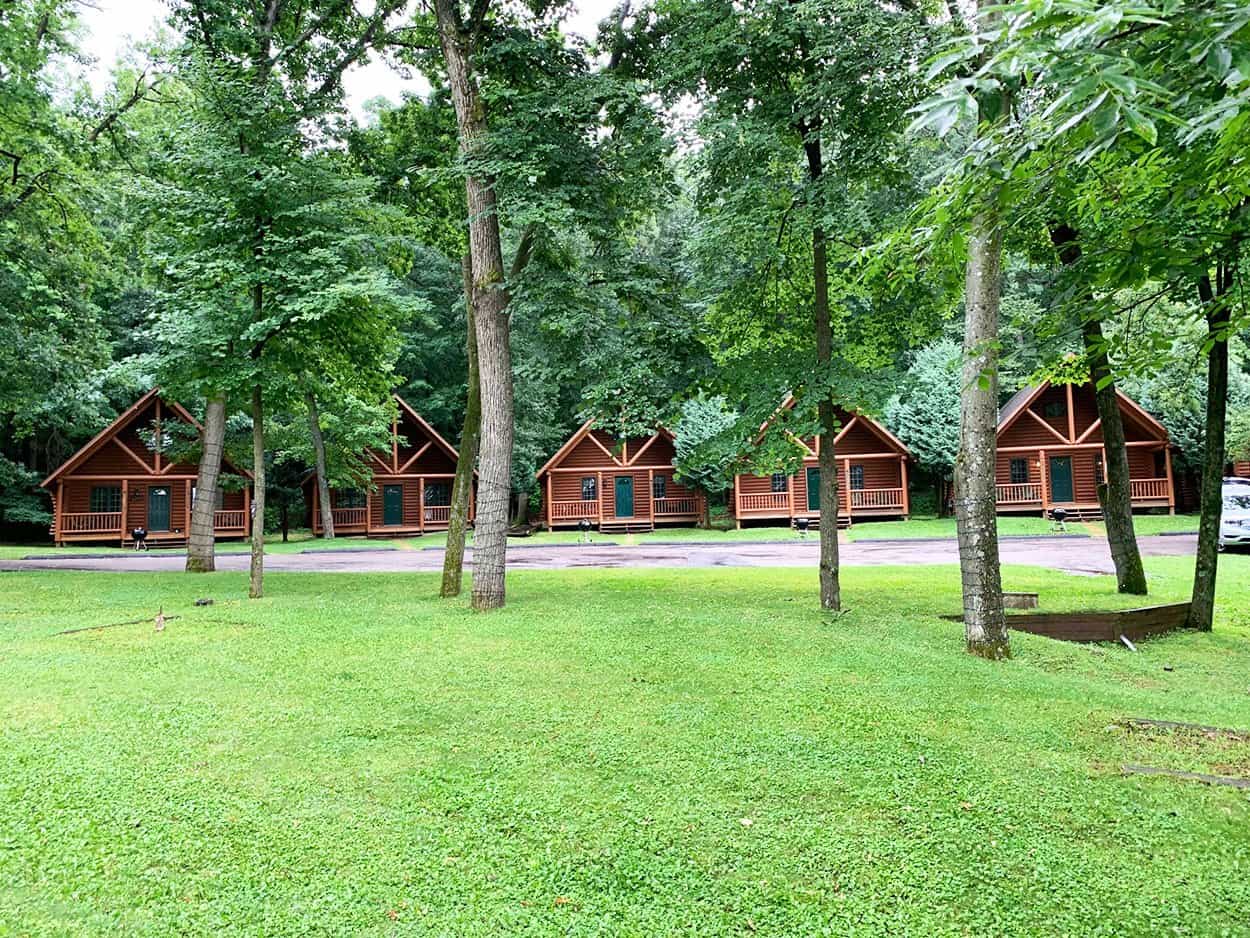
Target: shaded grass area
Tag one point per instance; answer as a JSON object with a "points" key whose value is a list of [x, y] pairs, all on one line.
{"points": [[618, 752]]}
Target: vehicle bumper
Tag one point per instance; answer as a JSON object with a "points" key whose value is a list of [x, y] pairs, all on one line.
{"points": [[1234, 536]]}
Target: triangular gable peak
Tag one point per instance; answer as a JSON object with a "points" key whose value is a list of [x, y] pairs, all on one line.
{"points": [[1067, 414], [852, 420], [416, 447], [590, 447], [121, 446]]}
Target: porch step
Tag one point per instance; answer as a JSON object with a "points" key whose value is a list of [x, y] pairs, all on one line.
{"points": [[626, 527], [1082, 515]]}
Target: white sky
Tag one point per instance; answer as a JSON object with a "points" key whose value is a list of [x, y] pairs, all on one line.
{"points": [[111, 26]]}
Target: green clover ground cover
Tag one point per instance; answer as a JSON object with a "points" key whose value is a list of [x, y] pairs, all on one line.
{"points": [[618, 752]]}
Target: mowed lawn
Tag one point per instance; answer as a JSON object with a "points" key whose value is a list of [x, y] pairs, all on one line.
{"points": [[618, 752]]}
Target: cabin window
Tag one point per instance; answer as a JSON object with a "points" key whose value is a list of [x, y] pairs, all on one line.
{"points": [[1019, 471], [1054, 409], [781, 482], [658, 486], [1099, 473], [590, 489], [106, 498], [437, 494], [857, 477], [350, 498]]}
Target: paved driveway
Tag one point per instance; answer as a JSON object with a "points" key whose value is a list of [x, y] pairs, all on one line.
{"points": [[1073, 554]]}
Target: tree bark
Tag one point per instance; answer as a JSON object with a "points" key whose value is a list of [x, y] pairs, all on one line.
{"points": [[319, 457], [985, 624], [1211, 499], [462, 487], [490, 299], [256, 585], [1115, 493], [830, 583], [201, 540]]}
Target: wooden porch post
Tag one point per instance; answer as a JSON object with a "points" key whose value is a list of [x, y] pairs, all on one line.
{"points": [[125, 506], [550, 507], [60, 510], [421, 504], [738, 505], [1167, 463], [846, 478], [186, 513], [368, 512], [1041, 463], [599, 496], [651, 494], [902, 464], [247, 511]]}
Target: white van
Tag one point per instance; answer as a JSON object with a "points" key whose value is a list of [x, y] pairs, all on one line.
{"points": [[1235, 516]]}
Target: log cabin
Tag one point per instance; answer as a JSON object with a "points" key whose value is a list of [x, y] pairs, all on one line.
{"points": [[872, 477], [410, 491], [616, 485], [123, 480], [1051, 455], [1241, 468]]}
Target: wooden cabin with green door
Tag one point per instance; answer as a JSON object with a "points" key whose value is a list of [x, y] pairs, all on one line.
{"points": [[410, 490], [616, 485], [132, 475]]}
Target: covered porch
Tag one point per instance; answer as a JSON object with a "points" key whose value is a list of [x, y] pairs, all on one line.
{"points": [[395, 506], [107, 509], [1067, 477], [869, 485]]}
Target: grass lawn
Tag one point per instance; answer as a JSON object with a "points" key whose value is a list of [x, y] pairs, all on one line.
{"points": [[617, 752], [915, 527]]}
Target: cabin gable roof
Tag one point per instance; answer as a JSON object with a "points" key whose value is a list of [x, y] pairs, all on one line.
{"points": [[587, 435], [114, 430], [1022, 401], [857, 418]]}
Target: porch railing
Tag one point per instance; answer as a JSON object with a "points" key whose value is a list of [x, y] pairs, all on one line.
{"points": [[678, 505], [765, 501], [91, 522], [877, 498], [229, 520], [1019, 493], [574, 510], [1149, 488], [437, 514], [348, 517]]}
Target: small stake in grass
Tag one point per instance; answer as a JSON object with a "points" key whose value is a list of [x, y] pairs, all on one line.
{"points": [[160, 619]]}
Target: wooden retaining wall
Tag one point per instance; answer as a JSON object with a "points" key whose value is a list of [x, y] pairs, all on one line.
{"points": [[1134, 624]]}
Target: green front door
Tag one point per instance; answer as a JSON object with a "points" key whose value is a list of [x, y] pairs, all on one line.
{"points": [[1061, 479], [813, 490], [624, 496], [393, 504], [158, 509]]}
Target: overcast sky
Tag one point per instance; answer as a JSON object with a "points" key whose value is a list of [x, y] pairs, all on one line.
{"points": [[112, 25]]}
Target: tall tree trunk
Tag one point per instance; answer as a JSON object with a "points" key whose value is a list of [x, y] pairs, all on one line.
{"points": [[319, 457], [201, 541], [830, 584], [1115, 493], [286, 521], [490, 298], [1202, 602], [985, 624], [462, 487], [256, 586]]}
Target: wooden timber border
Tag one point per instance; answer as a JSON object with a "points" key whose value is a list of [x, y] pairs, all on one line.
{"points": [[1133, 624]]}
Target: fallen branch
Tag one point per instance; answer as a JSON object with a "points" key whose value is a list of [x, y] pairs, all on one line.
{"points": [[1145, 723], [1230, 780], [111, 625]]}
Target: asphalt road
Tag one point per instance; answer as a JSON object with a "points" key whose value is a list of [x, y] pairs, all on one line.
{"points": [[1086, 555]]}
